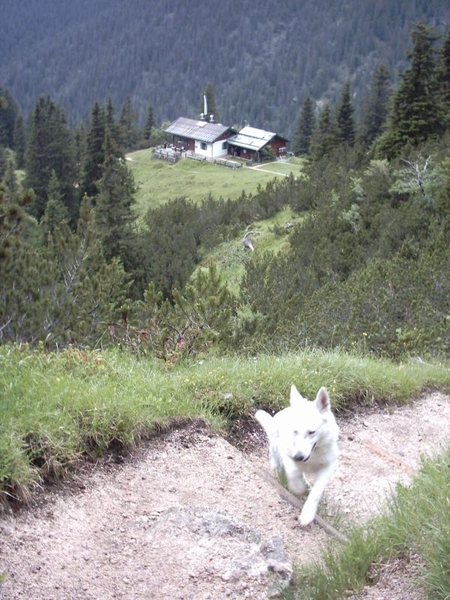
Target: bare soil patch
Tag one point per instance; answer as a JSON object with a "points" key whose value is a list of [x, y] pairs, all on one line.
{"points": [[188, 516]]}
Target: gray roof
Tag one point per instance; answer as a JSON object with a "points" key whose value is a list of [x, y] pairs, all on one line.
{"points": [[252, 138], [203, 131]]}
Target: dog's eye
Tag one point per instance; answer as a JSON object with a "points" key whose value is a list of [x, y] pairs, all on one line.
{"points": [[311, 432]]}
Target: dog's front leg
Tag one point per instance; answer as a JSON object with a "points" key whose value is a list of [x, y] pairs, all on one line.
{"points": [[296, 480], [310, 507]]}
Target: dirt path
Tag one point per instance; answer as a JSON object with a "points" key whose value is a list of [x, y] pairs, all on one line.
{"points": [[260, 168], [188, 517]]}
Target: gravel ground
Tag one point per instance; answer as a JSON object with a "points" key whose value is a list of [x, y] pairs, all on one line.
{"points": [[189, 517]]}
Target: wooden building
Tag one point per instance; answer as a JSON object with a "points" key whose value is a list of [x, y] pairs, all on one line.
{"points": [[203, 138], [250, 143]]}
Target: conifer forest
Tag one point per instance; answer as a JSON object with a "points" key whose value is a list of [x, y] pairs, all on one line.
{"points": [[366, 107]]}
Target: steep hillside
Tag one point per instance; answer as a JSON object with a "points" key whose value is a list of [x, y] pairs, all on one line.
{"points": [[262, 57]]}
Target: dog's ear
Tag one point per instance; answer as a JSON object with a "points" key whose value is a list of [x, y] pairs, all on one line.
{"points": [[265, 420], [323, 400], [296, 397]]}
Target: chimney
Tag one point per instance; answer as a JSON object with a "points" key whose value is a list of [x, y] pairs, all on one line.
{"points": [[211, 118]]}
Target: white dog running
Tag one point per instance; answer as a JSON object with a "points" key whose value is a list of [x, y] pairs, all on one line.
{"points": [[303, 441]]}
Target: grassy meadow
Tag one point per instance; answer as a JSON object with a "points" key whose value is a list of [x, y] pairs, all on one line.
{"points": [[158, 181]]}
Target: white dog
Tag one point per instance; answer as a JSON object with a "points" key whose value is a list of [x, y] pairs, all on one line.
{"points": [[303, 441]]}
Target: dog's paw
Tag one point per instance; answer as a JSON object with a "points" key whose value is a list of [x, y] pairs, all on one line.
{"points": [[307, 515]]}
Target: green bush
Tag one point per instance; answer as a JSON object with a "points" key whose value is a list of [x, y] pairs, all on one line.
{"points": [[392, 307]]}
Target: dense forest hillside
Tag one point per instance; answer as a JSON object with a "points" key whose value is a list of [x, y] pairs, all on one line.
{"points": [[263, 58], [365, 261]]}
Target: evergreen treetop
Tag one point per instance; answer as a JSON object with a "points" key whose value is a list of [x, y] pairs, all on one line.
{"points": [[417, 112]]}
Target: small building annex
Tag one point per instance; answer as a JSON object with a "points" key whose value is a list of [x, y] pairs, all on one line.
{"points": [[201, 137], [250, 143]]}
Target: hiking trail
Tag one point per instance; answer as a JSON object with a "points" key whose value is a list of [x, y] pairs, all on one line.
{"points": [[188, 516]]}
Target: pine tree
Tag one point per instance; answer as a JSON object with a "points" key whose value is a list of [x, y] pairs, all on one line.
{"points": [[9, 112], [19, 141], [200, 315], [112, 129], [50, 148], [324, 137], [80, 141], [128, 130], [416, 113], [344, 117], [170, 246], [23, 273], [95, 153], [443, 78], [305, 128], [12, 219], [113, 211], [376, 106], [204, 311], [60, 291], [55, 211], [88, 291]]}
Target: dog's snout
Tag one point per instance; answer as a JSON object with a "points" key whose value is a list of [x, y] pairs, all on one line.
{"points": [[300, 457]]}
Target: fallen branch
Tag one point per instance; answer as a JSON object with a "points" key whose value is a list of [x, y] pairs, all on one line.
{"points": [[388, 456], [297, 503]]}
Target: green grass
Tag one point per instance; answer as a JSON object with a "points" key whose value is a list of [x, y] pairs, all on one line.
{"points": [[230, 256], [56, 408], [158, 182], [415, 526], [294, 165]]}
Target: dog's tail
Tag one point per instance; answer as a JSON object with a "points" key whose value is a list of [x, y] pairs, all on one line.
{"points": [[265, 420]]}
